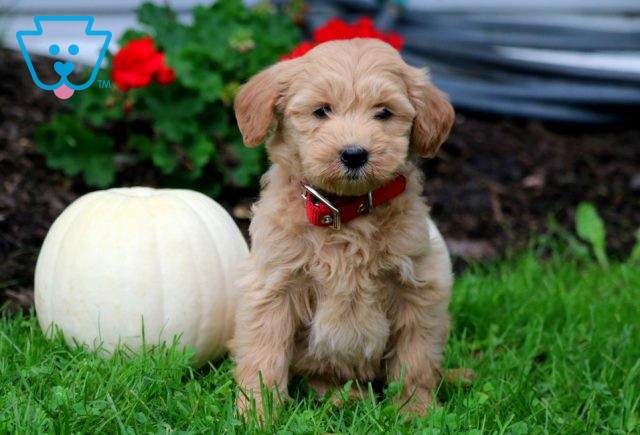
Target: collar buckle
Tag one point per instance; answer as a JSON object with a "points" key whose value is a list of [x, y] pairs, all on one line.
{"points": [[334, 219]]}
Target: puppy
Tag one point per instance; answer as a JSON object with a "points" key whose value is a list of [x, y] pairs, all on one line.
{"points": [[361, 293]]}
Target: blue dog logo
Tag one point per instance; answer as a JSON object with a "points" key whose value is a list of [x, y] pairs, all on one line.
{"points": [[63, 88]]}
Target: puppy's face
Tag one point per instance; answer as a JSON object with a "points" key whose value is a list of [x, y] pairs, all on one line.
{"points": [[348, 115]]}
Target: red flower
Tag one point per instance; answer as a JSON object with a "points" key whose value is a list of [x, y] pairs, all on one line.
{"points": [[165, 75], [336, 29], [394, 40], [138, 63], [299, 50]]}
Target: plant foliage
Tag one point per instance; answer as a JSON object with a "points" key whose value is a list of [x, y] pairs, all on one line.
{"points": [[635, 253], [186, 128], [590, 228]]}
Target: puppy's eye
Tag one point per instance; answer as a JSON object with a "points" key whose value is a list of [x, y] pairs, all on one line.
{"points": [[322, 113], [383, 114]]}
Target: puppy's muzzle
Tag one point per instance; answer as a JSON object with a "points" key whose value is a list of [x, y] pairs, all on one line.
{"points": [[353, 156]]}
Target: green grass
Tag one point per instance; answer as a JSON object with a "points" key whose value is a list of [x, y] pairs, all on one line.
{"points": [[555, 346]]}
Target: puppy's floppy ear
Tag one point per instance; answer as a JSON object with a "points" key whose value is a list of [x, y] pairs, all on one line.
{"points": [[434, 114], [256, 100]]}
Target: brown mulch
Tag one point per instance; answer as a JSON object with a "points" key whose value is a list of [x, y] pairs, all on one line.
{"points": [[495, 183]]}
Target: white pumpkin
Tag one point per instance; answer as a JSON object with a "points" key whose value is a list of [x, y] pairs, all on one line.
{"points": [[118, 259]]}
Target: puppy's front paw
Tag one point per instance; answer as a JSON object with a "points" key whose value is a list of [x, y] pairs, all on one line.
{"points": [[417, 401]]}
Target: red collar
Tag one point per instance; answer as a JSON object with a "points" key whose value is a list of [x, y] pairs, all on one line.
{"points": [[326, 213]]}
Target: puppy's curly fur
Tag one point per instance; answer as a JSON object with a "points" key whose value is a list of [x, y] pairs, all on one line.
{"points": [[369, 300]]}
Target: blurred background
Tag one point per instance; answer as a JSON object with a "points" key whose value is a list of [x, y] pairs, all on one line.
{"points": [[547, 96], [565, 61]]}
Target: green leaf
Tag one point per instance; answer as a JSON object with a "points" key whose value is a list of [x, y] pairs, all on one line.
{"points": [[142, 144], [590, 228], [99, 170], [250, 165], [195, 70], [158, 150], [96, 105], [164, 157], [232, 8], [173, 111], [71, 147], [200, 150], [635, 252], [157, 17], [163, 23]]}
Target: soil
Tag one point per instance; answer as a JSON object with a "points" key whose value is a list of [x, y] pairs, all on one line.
{"points": [[495, 183]]}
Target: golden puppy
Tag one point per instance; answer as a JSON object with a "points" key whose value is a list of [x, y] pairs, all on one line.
{"points": [[361, 293]]}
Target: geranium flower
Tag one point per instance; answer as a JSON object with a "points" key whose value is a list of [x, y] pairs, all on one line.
{"points": [[336, 29], [138, 63], [299, 50], [165, 75]]}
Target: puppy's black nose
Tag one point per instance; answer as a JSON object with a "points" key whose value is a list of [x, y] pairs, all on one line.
{"points": [[353, 156]]}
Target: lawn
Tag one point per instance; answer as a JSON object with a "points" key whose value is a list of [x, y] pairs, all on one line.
{"points": [[554, 343]]}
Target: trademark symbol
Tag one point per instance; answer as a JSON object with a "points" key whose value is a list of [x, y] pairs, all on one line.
{"points": [[104, 84]]}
